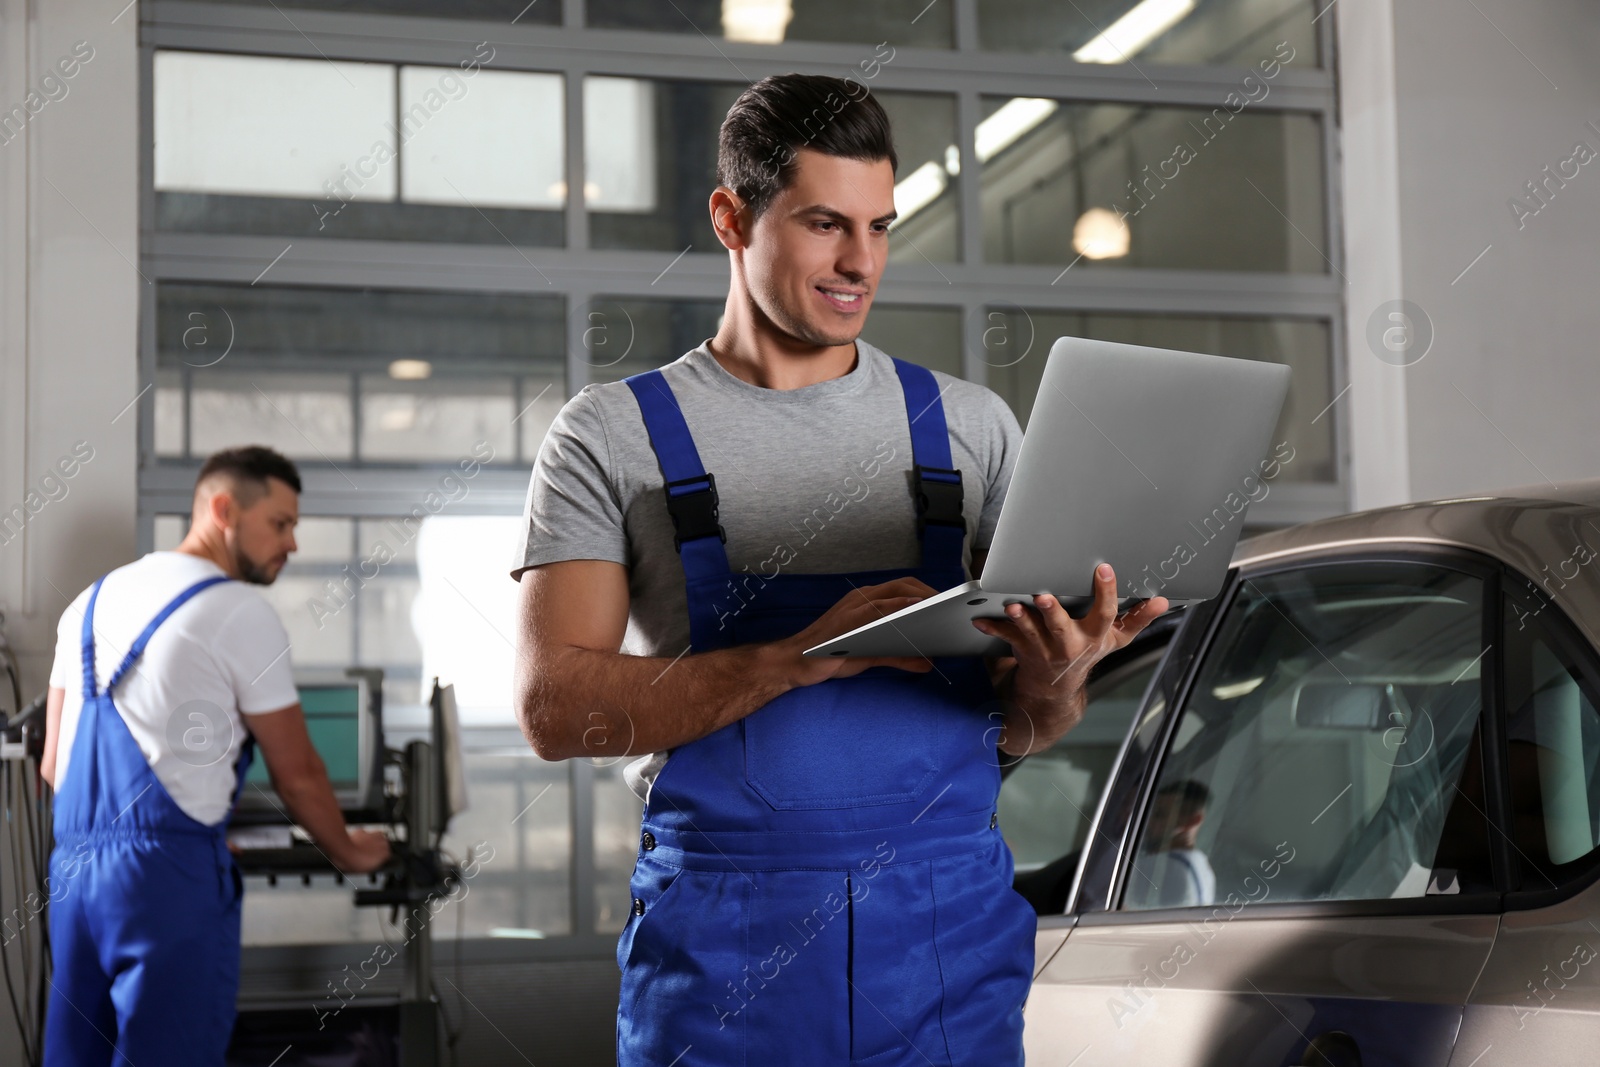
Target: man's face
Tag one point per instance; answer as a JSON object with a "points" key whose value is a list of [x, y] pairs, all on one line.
{"points": [[815, 255], [263, 533], [1170, 825]]}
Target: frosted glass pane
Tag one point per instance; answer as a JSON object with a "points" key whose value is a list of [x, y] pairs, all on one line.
{"points": [[542, 400], [170, 531], [435, 419], [273, 127], [489, 140], [321, 540], [317, 638], [169, 414], [466, 611], [619, 144], [302, 416]]}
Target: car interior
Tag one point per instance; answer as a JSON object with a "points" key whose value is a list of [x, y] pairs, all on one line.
{"points": [[1552, 753], [1049, 799], [1335, 722]]}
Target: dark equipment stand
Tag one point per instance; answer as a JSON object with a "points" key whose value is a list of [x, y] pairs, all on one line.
{"points": [[416, 874]]}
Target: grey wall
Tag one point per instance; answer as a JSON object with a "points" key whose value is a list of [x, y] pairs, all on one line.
{"points": [[1486, 94], [69, 294]]}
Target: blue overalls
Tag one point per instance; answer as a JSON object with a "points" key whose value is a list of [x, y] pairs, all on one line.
{"points": [[823, 882], [144, 915]]}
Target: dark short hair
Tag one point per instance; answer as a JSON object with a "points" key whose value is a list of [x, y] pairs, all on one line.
{"points": [[248, 468], [777, 116], [1192, 796]]}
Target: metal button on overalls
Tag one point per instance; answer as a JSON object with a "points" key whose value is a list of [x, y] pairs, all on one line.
{"points": [[648, 841], [833, 892]]}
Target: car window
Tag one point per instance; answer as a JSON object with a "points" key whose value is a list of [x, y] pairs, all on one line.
{"points": [[1329, 747], [1552, 748], [1048, 800]]}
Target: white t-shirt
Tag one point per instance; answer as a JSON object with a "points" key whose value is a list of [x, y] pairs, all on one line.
{"points": [[1182, 877], [221, 654]]}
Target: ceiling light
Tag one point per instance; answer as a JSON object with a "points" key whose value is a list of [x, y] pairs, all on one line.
{"points": [[1126, 37], [1015, 118], [919, 189], [757, 21], [1100, 234], [410, 370]]}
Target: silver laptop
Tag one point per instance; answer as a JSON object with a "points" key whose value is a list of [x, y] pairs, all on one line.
{"points": [[1143, 458]]}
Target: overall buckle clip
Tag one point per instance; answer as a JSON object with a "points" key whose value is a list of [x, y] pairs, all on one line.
{"points": [[694, 511], [938, 491]]}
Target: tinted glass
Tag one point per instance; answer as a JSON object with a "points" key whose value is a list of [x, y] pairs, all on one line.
{"points": [[1329, 747], [521, 12], [1552, 742], [1016, 343], [1048, 800], [305, 148], [930, 336], [1093, 186], [1233, 32], [627, 335], [896, 22], [651, 164], [424, 376]]}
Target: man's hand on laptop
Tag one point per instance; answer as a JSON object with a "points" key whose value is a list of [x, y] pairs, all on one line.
{"points": [[862, 605], [1052, 654]]}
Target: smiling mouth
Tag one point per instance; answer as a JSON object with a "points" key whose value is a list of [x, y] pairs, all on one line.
{"points": [[841, 299]]}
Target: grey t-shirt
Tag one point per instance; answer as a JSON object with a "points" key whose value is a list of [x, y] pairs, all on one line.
{"points": [[818, 476]]}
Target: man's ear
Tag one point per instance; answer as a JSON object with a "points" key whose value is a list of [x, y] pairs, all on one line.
{"points": [[223, 508], [730, 217]]}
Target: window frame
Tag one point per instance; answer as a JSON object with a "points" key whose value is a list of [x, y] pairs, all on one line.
{"points": [[1140, 777], [574, 51], [1165, 630], [1564, 636]]}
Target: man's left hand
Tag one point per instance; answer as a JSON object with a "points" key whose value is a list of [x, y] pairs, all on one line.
{"points": [[1051, 657]]}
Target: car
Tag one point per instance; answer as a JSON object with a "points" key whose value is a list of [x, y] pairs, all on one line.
{"points": [[1344, 813]]}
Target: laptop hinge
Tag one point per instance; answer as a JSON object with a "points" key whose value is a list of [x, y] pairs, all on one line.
{"points": [[694, 510], [938, 492]]}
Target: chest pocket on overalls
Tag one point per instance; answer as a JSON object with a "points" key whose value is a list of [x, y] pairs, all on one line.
{"points": [[878, 737]]}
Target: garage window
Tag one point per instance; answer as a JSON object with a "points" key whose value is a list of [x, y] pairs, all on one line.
{"points": [[1329, 749]]}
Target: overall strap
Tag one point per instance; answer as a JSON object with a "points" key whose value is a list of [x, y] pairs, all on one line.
{"points": [[691, 491], [241, 768], [937, 485], [143, 639], [90, 687]]}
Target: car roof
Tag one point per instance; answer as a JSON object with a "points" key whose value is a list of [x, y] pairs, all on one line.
{"points": [[1548, 531]]}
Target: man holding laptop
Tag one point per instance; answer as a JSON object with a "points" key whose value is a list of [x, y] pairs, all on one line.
{"points": [[820, 876]]}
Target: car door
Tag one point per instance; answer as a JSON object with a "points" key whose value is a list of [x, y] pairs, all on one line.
{"points": [[1048, 800], [1538, 999], [1293, 864]]}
